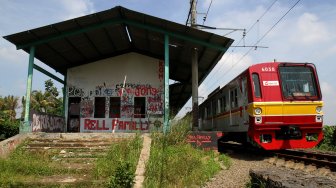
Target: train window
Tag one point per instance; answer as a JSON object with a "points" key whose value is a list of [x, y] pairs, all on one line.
{"points": [[208, 111], [99, 107], [256, 85], [223, 103], [234, 98], [298, 81], [139, 107], [219, 107], [231, 99], [214, 107], [115, 107]]}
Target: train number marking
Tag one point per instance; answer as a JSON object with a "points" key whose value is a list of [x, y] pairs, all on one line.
{"points": [[268, 69], [270, 83]]}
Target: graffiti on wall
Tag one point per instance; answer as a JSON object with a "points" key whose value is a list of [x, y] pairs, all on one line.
{"points": [[73, 125], [160, 72], [47, 123], [86, 107], [127, 92], [127, 107], [76, 92], [152, 90], [155, 103], [116, 125]]}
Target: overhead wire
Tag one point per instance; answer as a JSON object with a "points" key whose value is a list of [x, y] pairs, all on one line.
{"points": [[244, 34], [257, 21], [258, 41], [192, 2], [206, 14]]}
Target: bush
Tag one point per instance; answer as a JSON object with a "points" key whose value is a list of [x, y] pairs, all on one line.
{"points": [[119, 165], [123, 176], [329, 138], [175, 163], [9, 129]]}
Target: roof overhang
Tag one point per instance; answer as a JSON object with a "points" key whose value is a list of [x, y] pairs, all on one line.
{"points": [[118, 31]]}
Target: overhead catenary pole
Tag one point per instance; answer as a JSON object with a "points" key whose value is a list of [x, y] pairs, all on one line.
{"points": [[194, 69], [166, 85], [28, 91]]}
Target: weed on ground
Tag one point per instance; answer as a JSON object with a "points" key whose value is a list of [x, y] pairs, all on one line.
{"points": [[24, 168], [175, 163]]}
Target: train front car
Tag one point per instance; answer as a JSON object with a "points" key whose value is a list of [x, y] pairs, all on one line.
{"points": [[285, 111]]}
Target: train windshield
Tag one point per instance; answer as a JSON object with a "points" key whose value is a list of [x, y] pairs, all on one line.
{"points": [[298, 82]]}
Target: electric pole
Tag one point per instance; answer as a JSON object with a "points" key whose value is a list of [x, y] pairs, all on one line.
{"points": [[194, 69]]}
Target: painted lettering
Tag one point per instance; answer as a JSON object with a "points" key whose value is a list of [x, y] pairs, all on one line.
{"points": [[94, 125]]}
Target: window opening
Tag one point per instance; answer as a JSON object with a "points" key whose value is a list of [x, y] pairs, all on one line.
{"points": [[236, 97], [223, 103], [139, 107], [74, 114], [214, 107], [298, 81], [256, 85], [99, 107], [115, 107], [209, 111]]}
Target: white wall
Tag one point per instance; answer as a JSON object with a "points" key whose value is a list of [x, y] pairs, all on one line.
{"points": [[143, 77]]}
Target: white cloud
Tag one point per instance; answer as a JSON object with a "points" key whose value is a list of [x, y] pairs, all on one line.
{"points": [[76, 8], [329, 96], [11, 55], [311, 30], [230, 66]]}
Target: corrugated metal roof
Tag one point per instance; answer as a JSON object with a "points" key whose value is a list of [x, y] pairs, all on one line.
{"points": [[118, 31]]}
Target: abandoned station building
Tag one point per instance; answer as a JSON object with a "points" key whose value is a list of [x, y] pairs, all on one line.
{"points": [[117, 65]]}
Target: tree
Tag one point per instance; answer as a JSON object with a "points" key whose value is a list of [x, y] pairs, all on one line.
{"points": [[9, 126], [8, 106], [46, 102], [40, 101], [50, 88]]}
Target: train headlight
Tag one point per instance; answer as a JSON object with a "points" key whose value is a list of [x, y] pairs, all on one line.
{"points": [[257, 111], [319, 109]]}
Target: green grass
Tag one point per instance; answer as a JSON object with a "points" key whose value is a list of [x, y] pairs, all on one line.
{"points": [[175, 163], [120, 162], [22, 168]]}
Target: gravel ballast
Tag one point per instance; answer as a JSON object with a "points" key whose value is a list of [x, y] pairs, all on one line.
{"points": [[238, 174]]}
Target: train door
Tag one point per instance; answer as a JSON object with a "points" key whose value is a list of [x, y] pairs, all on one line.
{"points": [[230, 106], [244, 105]]}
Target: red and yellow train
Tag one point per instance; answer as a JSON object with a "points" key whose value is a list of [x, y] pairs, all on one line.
{"points": [[271, 105]]}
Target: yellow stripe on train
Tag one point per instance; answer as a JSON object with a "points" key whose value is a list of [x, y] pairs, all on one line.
{"points": [[285, 108]]}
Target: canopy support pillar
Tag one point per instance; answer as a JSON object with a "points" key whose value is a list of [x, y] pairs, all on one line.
{"points": [[26, 125], [166, 85]]}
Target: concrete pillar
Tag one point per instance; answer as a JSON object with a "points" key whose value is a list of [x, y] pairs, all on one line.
{"points": [[166, 127], [26, 125], [194, 85]]}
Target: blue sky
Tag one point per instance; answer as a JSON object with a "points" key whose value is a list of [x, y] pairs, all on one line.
{"points": [[306, 34]]}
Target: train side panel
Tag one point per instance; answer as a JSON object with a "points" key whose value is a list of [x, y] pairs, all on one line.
{"points": [[271, 105], [227, 109]]}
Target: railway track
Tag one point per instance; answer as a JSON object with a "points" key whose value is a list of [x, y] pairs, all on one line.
{"points": [[320, 160]]}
